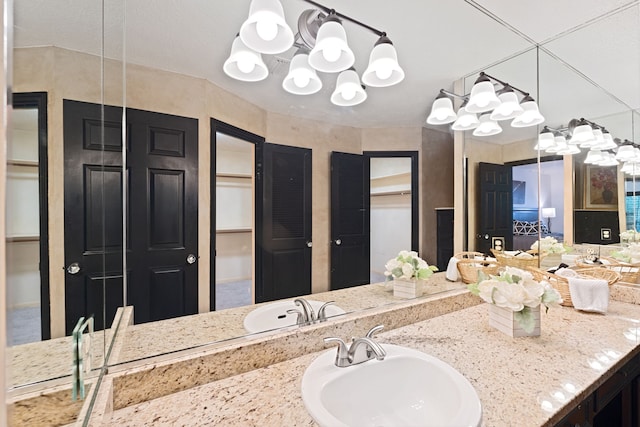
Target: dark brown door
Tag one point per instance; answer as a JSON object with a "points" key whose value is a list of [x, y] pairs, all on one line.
{"points": [[286, 225], [162, 219], [350, 220], [495, 219]]}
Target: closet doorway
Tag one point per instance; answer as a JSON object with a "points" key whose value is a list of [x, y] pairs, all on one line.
{"points": [[233, 216], [393, 207]]}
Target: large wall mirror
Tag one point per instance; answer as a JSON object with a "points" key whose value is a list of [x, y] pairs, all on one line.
{"points": [[547, 186], [173, 103]]}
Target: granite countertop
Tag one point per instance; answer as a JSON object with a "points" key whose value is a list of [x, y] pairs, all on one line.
{"points": [[155, 338], [510, 375]]}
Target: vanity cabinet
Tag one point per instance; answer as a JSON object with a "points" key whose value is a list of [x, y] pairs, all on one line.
{"points": [[615, 403]]}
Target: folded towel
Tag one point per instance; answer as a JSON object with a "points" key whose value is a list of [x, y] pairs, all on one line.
{"points": [[589, 294], [452, 269]]}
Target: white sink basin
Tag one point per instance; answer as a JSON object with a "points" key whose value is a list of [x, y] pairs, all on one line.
{"points": [[407, 388], [274, 315]]}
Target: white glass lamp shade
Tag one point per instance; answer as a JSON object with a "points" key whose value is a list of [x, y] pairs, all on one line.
{"points": [[302, 79], [441, 111], [383, 69], [483, 97], [559, 144], [331, 54], [609, 143], [568, 150], [509, 107], [631, 168], [608, 159], [265, 30], [546, 140], [582, 134], [598, 138], [487, 127], [530, 115], [465, 120], [245, 64], [548, 212], [625, 153], [593, 157], [348, 91]]}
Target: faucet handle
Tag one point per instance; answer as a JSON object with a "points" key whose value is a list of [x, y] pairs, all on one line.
{"points": [[342, 357], [322, 315], [299, 317], [374, 330]]}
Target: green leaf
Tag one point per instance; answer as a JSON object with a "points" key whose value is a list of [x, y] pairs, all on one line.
{"points": [[525, 319]]}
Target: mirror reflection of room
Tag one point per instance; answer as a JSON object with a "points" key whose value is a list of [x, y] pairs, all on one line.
{"points": [[236, 266]]}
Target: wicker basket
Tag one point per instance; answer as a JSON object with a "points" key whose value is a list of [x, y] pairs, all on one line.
{"points": [[629, 272], [472, 263], [519, 262], [561, 284]]}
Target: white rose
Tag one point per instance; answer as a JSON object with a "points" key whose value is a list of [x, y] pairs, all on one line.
{"points": [[422, 264], [407, 271], [392, 264], [485, 289], [522, 274], [509, 295], [533, 293]]}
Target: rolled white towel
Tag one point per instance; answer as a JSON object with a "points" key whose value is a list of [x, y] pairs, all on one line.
{"points": [[452, 270]]}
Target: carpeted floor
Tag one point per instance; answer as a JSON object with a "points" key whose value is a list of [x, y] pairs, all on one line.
{"points": [[23, 325]]}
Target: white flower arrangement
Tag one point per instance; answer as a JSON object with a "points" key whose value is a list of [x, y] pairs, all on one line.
{"points": [[408, 265], [629, 254], [630, 236], [516, 290], [550, 245]]}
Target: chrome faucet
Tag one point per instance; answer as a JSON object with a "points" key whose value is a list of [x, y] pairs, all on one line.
{"points": [[307, 314], [307, 311], [361, 349]]}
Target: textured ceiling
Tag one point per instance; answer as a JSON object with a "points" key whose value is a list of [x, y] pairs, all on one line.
{"points": [[588, 63]]}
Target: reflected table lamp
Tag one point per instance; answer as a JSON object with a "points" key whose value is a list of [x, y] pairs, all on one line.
{"points": [[549, 213]]}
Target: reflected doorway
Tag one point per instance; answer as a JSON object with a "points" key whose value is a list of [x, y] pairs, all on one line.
{"points": [[27, 260], [390, 204], [234, 221]]}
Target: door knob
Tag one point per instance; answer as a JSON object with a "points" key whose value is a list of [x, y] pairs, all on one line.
{"points": [[191, 259], [73, 268], [338, 242], [309, 244]]}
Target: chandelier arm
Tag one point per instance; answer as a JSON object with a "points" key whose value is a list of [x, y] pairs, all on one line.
{"points": [[348, 18], [505, 84], [455, 95]]}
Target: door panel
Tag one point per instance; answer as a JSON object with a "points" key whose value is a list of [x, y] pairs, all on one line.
{"points": [[496, 206], [286, 223], [350, 249], [93, 212], [163, 162]]}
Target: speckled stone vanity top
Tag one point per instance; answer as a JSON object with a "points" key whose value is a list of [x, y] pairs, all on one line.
{"points": [[510, 375], [150, 339]]}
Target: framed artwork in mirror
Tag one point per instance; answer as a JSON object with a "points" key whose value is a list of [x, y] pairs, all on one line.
{"points": [[519, 188], [601, 187]]}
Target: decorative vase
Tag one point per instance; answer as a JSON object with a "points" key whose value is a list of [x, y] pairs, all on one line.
{"points": [[411, 288], [607, 196], [503, 319]]}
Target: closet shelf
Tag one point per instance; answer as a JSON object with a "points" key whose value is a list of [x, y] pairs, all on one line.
{"points": [[392, 193], [234, 175], [30, 163], [234, 230], [34, 238]]}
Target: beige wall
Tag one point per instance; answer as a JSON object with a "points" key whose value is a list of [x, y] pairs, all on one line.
{"points": [[71, 75]]}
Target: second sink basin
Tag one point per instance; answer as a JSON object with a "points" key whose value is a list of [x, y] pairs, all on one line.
{"points": [[274, 315], [407, 388]]}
